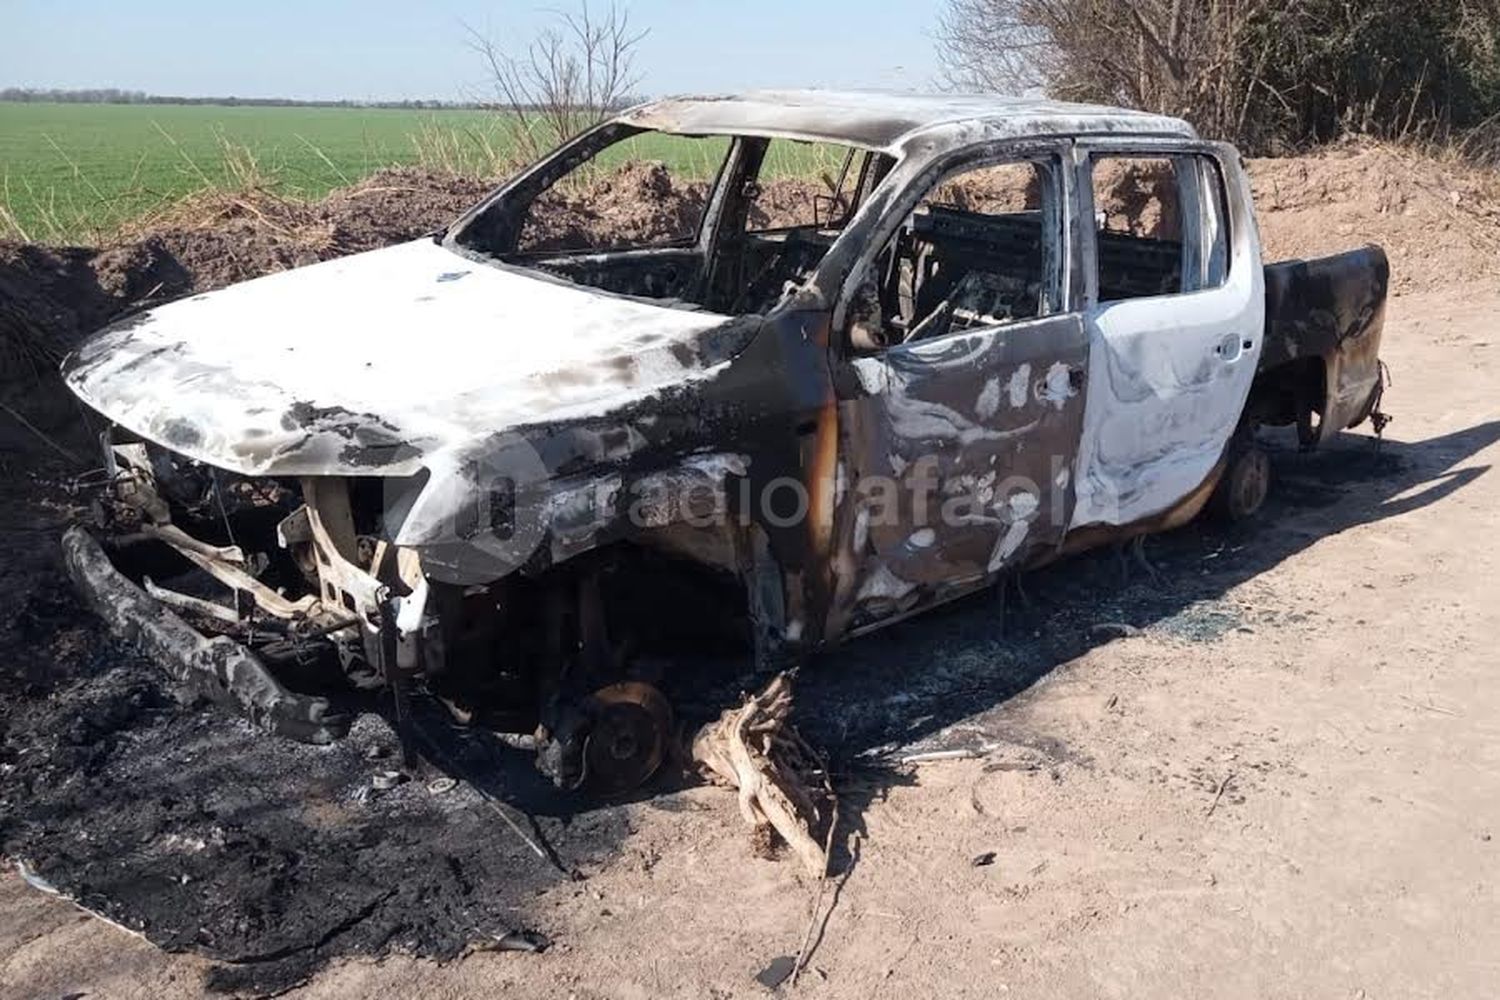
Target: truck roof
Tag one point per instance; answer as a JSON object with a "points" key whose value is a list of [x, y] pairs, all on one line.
{"points": [[889, 121]]}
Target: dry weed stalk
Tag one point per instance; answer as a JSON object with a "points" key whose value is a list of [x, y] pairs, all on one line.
{"points": [[465, 152]]}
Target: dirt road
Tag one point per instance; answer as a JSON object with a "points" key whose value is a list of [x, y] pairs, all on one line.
{"points": [[1276, 773]]}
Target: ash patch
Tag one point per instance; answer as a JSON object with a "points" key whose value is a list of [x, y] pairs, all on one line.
{"points": [[1203, 621], [267, 856]]}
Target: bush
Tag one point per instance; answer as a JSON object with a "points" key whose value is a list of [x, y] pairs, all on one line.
{"points": [[1271, 75]]}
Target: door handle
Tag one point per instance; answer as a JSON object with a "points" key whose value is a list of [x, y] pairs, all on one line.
{"points": [[1229, 348]]}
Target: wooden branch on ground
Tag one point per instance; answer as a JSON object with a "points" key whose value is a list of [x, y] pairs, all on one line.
{"points": [[753, 749]]}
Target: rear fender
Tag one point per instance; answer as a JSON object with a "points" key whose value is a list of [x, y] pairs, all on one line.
{"points": [[1331, 309]]}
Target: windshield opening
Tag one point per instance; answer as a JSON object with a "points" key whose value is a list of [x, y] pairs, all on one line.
{"points": [[724, 223]]}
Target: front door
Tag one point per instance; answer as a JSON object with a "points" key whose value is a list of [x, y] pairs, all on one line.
{"points": [[958, 438]]}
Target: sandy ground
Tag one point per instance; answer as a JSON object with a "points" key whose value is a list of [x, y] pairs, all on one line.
{"points": [[1302, 803]]}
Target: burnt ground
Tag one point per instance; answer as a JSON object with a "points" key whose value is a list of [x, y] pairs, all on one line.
{"points": [[268, 856], [180, 822]]}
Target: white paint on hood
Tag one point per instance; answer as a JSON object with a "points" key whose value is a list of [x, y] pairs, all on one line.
{"points": [[393, 354]]}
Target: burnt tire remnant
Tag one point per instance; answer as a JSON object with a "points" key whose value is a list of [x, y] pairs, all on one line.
{"points": [[1245, 485], [219, 668]]}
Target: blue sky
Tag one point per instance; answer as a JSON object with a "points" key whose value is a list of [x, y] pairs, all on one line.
{"points": [[393, 49]]}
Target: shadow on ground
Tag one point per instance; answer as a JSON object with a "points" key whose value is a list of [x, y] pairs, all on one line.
{"points": [[271, 857], [902, 692], [920, 676]]}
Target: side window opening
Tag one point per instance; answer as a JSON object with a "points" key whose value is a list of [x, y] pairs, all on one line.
{"points": [[981, 249], [801, 185], [1213, 269], [1160, 226]]}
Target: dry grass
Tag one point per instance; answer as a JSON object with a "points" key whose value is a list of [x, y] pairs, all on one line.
{"points": [[237, 190], [74, 217], [463, 152], [291, 219]]}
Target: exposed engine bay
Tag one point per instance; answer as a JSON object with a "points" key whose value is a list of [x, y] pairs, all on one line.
{"points": [[302, 576]]}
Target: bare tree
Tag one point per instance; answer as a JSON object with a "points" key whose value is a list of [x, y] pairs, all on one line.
{"points": [[569, 78]]}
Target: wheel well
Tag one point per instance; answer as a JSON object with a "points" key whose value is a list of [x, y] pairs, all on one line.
{"points": [[1286, 394], [583, 623], [670, 603]]}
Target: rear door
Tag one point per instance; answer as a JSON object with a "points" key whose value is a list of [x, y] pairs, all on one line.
{"points": [[959, 421], [1174, 311]]}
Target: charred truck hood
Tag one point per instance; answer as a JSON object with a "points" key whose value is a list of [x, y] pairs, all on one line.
{"points": [[382, 363]]}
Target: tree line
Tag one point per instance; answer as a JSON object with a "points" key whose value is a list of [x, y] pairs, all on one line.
{"points": [[113, 95]]}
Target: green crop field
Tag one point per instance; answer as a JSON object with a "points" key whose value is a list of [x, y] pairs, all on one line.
{"points": [[66, 169], [76, 172]]}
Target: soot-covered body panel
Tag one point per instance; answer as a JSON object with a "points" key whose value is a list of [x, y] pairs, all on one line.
{"points": [[1324, 322]]}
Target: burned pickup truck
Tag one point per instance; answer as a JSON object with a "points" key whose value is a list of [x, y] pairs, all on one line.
{"points": [[522, 465]]}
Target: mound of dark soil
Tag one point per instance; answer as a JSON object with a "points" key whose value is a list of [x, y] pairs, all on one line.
{"points": [[49, 297], [220, 239], [400, 204]]}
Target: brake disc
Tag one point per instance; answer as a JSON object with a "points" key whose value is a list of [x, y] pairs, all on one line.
{"points": [[627, 741]]}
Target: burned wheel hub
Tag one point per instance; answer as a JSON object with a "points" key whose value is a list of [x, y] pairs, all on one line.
{"points": [[628, 739], [1249, 481]]}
